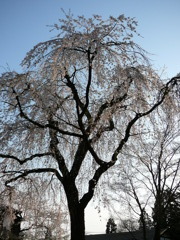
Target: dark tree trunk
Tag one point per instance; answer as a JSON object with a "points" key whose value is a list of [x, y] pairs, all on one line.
{"points": [[144, 229], [76, 211], [158, 214], [77, 222], [157, 232]]}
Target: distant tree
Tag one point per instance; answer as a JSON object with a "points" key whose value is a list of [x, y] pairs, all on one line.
{"points": [[83, 96], [111, 227], [127, 225]]}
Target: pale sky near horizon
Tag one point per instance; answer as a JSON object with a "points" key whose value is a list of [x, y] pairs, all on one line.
{"points": [[23, 23]]}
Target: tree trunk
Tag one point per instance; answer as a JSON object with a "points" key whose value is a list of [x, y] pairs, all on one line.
{"points": [[157, 232], [76, 210], [144, 230], [158, 214], [77, 222]]}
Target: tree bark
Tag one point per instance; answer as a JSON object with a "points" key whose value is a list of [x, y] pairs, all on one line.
{"points": [[76, 210], [77, 222]]}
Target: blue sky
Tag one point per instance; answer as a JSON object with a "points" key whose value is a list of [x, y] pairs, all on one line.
{"points": [[23, 23]]}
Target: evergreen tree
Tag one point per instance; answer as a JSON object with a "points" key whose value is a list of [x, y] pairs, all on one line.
{"points": [[169, 208], [111, 227]]}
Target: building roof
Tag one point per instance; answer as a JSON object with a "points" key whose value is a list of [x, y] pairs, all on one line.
{"points": [[136, 235]]}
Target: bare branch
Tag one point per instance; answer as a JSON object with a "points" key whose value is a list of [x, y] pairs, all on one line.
{"points": [[31, 171], [22, 161]]}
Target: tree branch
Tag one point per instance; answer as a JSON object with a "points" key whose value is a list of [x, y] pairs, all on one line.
{"points": [[54, 148], [37, 170], [26, 159], [22, 114], [78, 102], [90, 61]]}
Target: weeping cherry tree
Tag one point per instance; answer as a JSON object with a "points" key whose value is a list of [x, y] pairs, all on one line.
{"points": [[82, 96]]}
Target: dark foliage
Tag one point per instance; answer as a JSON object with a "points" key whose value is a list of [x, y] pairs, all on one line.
{"points": [[169, 210], [111, 227]]}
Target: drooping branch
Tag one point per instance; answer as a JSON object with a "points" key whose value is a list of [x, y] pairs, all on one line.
{"points": [[48, 125], [25, 173], [22, 161], [162, 94]]}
